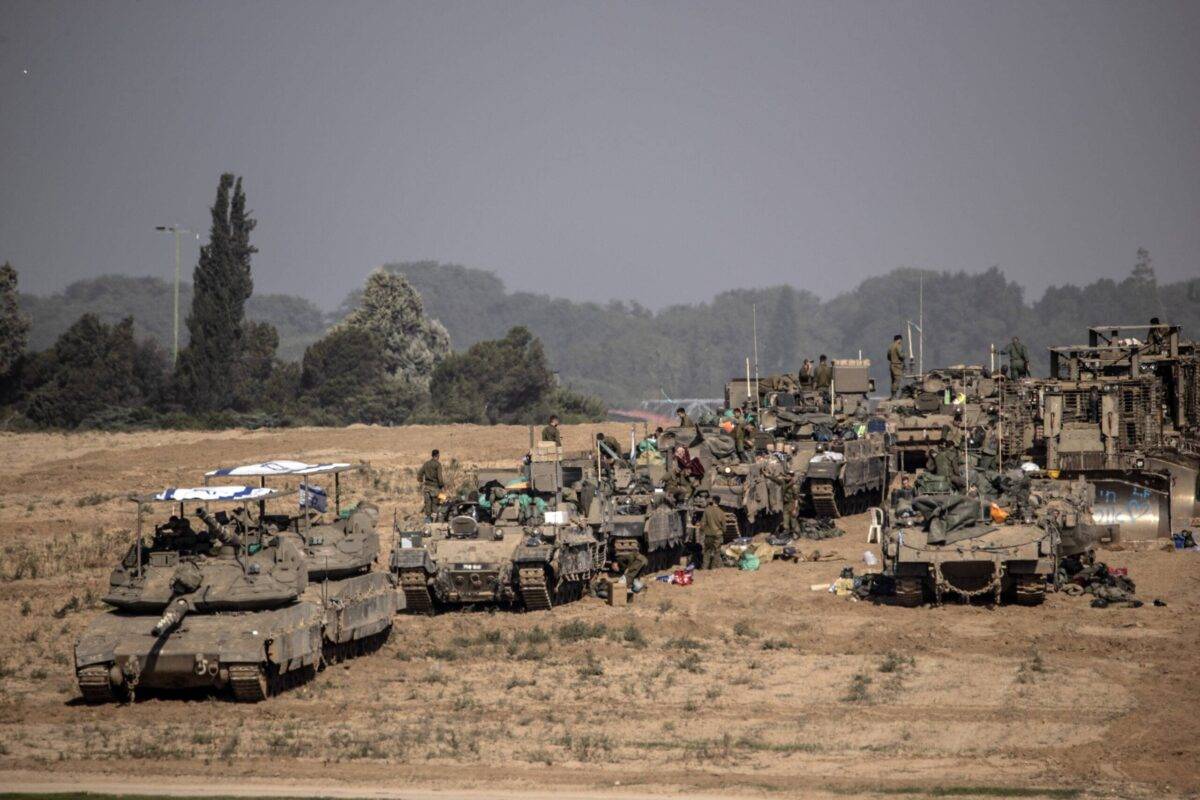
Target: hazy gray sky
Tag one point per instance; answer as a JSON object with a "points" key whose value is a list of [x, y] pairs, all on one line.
{"points": [[658, 150]]}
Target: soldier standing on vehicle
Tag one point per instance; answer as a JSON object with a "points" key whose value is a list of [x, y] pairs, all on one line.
{"points": [[895, 357], [1018, 359], [712, 531], [806, 375], [1156, 337], [743, 435], [432, 480], [823, 377], [551, 432], [684, 420]]}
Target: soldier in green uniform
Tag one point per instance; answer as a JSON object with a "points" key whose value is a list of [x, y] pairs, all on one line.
{"points": [[712, 531], [806, 375], [684, 420], [823, 377], [1018, 359], [946, 463], [551, 433], [631, 565], [790, 492], [743, 435], [431, 480], [895, 359]]}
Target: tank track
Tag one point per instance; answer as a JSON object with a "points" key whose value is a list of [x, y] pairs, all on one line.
{"points": [[1030, 591], [535, 595], [94, 685], [416, 591], [343, 651], [249, 683], [824, 499], [909, 592]]}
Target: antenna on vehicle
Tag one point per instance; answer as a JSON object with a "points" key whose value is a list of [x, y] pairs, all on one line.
{"points": [[754, 327]]}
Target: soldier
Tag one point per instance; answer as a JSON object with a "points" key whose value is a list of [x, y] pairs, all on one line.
{"points": [[743, 433], [712, 529], [946, 464], [1018, 359], [431, 480], [684, 420], [631, 564], [823, 377], [790, 492], [551, 433], [610, 451], [895, 358], [806, 375], [1156, 337]]}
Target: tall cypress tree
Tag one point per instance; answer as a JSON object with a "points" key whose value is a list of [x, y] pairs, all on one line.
{"points": [[222, 285]]}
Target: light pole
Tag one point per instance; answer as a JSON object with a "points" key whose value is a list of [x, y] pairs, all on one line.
{"points": [[176, 230]]}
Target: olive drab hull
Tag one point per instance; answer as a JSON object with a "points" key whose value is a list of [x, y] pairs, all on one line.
{"points": [[357, 612], [248, 654]]}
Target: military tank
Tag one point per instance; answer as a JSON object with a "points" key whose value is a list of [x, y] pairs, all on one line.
{"points": [[513, 541], [637, 518], [938, 545], [359, 603], [218, 605]]}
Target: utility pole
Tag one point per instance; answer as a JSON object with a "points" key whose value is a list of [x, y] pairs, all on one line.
{"points": [[176, 230]]}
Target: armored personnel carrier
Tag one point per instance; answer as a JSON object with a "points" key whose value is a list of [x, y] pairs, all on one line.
{"points": [[829, 439], [513, 541], [217, 605], [637, 518], [341, 553], [1002, 548], [938, 407], [1124, 412]]}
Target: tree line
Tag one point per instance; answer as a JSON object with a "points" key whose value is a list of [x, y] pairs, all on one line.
{"points": [[385, 361]]}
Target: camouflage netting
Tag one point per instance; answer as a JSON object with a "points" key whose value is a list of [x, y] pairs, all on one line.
{"points": [[391, 309]]}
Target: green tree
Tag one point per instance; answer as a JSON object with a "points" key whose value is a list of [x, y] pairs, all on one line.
{"points": [[97, 373], [221, 286], [344, 378], [392, 311], [504, 380], [14, 326]]}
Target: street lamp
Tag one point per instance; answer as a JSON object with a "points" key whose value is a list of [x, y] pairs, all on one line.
{"points": [[176, 230]]}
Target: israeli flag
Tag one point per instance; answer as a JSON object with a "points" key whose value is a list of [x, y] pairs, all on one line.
{"points": [[313, 497], [214, 493]]}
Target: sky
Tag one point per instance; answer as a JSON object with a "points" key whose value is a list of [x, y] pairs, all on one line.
{"points": [[658, 151]]}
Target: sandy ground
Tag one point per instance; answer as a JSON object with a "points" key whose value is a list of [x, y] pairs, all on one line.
{"points": [[745, 684]]}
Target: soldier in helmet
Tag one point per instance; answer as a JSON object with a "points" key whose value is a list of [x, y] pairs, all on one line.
{"points": [[823, 377], [432, 480]]}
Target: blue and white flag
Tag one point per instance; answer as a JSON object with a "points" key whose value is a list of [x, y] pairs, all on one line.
{"points": [[313, 497]]}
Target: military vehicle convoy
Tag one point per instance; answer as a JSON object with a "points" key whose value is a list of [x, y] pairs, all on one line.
{"points": [[995, 548], [359, 602], [215, 605], [1124, 411], [514, 541]]}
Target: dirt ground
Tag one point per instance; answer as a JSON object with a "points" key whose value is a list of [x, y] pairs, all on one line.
{"points": [[746, 684]]}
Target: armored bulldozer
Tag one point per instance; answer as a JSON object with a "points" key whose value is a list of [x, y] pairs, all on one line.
{"points": [[218, 604], [1124, 412], [341, 552], [512, 541]]}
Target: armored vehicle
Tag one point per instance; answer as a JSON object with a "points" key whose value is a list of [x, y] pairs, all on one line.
{"points": [[1124, 411], [938, 407], [1004, 547], [940, 545], [831, 443], [359, 603], [513, 541], [218, 606], [638, 517]]}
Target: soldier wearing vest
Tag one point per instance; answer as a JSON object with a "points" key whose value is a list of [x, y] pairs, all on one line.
{"points": [[1018, 359], [551, 432], [823, 377]]}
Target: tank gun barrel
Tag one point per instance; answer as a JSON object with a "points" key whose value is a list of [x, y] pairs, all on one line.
{"points": [[176, 610], [218, 531]]}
